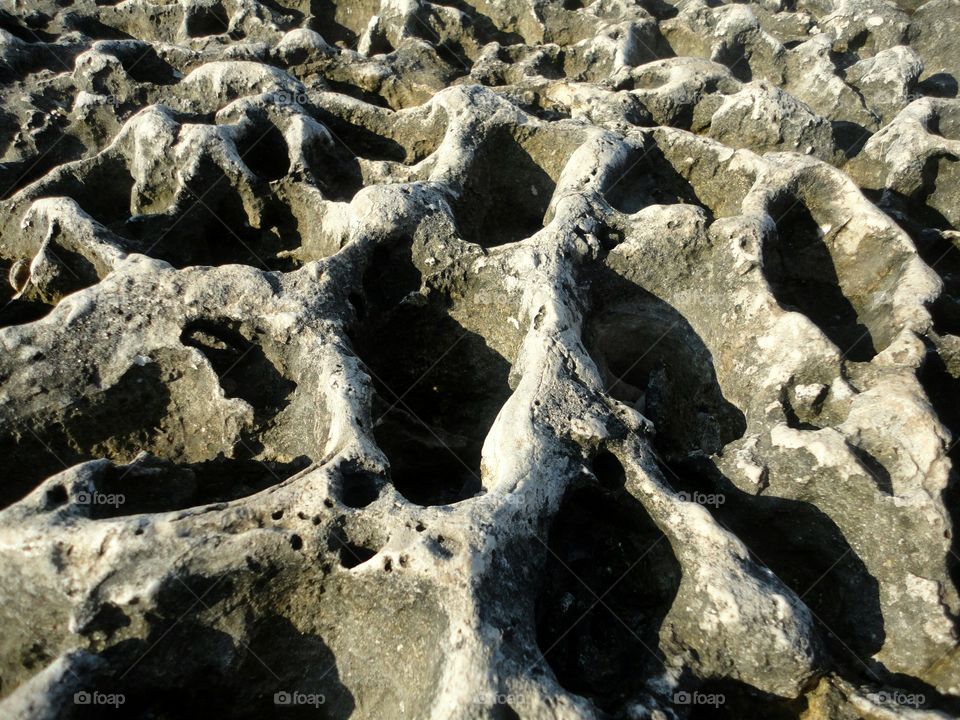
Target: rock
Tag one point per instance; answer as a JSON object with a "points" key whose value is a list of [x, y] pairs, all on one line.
{"points": [[479, 360]]}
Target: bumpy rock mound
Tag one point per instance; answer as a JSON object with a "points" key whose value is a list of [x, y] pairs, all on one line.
{"points": [[474, 359]]}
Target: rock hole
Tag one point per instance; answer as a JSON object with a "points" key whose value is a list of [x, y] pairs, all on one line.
{"points": [[359, 487], [605, 545], [941, 382], [142, 63], [650, 180], [506, 195], [152, 484], [351, 554], [214, 676], [653, 360], [242, 367], [608, 470], [207, 19], [802, 276], [802, 546], [56, 496], [365, 142], [264, 151], [104, 192], [343, 21], [433, 410]]}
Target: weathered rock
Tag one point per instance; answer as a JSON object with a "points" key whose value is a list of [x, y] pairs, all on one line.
{"points": [[480, 359]]}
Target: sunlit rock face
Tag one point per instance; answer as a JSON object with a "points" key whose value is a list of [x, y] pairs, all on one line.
{"points": [[482, 359]]}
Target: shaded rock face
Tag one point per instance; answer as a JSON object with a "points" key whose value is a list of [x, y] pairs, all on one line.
{"points": [[487, 360]]}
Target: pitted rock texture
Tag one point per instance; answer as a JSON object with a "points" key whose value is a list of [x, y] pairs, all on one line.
{"points": [[480, 359]]}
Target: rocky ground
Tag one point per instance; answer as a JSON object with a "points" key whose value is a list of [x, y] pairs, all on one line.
{"points": [[479, 359]]}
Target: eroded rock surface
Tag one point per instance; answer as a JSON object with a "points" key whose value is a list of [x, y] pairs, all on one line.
{"points": [[526, 359]]}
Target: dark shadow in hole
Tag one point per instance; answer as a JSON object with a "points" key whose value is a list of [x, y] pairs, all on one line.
{"points": [[503, 711], [337, 172], [9, 127], [91, 26], [849, 137], [943, 390], [805, 549], [941, 177], [214, 230], [350, 553], [293, 16], [241, 366], [438, 386], [923, 224], [933, 699], [20, 311], [330, 20], [130, 417], [506, 194], [358, 487], [14, 176], [651, 180], [265, 152], [142, 63], [482, 26], [939, 85], [651, 358], [379, 44], [604, 544], [12, 25], [104, 192], [153, 485], [66, 271], [609, 471], [215, 675], [802, 276], [207, 19], [794, 421], [366, 143], [660, 9], [324, 21], [358, 93], [737, 59], [878, 473]]}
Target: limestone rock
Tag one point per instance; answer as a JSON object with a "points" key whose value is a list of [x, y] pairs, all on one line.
{"points": [[520, 359]]}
